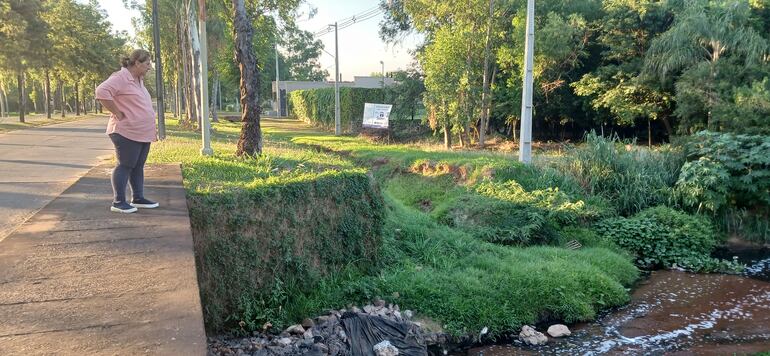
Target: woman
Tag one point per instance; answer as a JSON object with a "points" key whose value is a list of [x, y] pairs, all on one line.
{"points": [[131, 128]]}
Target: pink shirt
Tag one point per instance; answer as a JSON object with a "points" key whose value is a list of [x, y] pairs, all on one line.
{"points": [[133, 99]]}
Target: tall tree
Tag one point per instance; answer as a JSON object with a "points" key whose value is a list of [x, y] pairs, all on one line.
{"points": [[20, 31], [625, 33], [250, 142], [703, 35], [302, 52]]}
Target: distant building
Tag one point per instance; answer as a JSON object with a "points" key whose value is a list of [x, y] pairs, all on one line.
{"points": [[289, 86]]}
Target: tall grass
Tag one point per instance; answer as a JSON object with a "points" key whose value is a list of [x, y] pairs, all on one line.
{"points": [[631, 178]]}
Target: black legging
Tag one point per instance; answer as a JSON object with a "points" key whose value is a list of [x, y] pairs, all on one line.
{"points": [[131, 157]]}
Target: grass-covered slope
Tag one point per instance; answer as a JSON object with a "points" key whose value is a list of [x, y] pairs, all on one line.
{"points": [[467, 239]]}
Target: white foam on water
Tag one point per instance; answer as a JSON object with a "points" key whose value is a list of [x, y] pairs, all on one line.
{"points": [[702, 322], [759, 267]]}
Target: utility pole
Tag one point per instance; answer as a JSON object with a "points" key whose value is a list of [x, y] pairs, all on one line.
{"points": [[277, 82], [158, 73], [205, 123], [525, 137], [337, 123], [382, 84]]}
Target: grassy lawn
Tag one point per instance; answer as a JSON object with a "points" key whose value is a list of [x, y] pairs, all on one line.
{"points": [[439, 255], [12, 123]]}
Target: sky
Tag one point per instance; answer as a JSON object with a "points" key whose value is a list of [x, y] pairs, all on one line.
{"points": [[360, 46]]}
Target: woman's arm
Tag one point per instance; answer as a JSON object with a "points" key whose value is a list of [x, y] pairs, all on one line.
{"points": [[110, 105]]}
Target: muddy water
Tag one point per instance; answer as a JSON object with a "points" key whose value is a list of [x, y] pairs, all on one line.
{"points": [[674, 313]]}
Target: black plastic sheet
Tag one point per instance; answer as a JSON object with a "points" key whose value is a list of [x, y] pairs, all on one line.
{"points": [[364, 331]]}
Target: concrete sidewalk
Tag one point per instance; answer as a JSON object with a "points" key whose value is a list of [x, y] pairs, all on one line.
{"points": [[78, 279], [37, 164]]}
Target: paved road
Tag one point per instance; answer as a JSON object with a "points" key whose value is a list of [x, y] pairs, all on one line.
{"points": [[37, 164], [77, 279]]}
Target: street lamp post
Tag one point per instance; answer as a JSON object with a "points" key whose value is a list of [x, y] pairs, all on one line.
{"points": [[383, 74], [337, 121], [525, 138]]}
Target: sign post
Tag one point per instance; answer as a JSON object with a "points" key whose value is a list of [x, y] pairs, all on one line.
{"points": [[376, 116]]}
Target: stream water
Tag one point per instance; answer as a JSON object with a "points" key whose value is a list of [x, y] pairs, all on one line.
{"points": [[674, 313]]}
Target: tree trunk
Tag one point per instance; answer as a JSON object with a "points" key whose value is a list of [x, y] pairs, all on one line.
{"points": [[250, 142], [649, 133], [447, 137], [189, 119], [667, 126], [47, 94], [214, 114], [4, 99], [465, 135], [486, 80], [94, 102], [489, 99], [34, 101], [3, 108], [77, 98], [195, 52], [63, 100], [22, 101]]}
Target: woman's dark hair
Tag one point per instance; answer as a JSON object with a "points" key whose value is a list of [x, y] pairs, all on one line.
{"points": [[136, 56]]}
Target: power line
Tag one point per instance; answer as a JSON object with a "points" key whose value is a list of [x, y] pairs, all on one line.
{"points": [[347, 22]]}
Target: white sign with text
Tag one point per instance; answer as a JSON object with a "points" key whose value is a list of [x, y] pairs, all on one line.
{"points": [[376, 115]]}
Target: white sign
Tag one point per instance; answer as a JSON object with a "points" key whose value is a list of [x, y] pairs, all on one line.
{"points": [[376, 115]]}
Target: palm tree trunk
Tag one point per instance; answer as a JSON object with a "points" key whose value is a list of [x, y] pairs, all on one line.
{"points": [[250, 142]]}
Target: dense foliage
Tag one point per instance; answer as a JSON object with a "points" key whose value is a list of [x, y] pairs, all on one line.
{"points": [[727, 176], [639, 68], [664, 237], [54, 52]]}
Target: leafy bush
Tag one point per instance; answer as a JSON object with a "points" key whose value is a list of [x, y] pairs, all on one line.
{"points": [[662, 236], [316, 106], [630, 179], [728, 176]]}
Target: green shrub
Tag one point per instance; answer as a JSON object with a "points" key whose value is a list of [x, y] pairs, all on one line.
{"points": [[728, 177], [630, 179], [664, 237], [316, 106], [258, 249]]}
